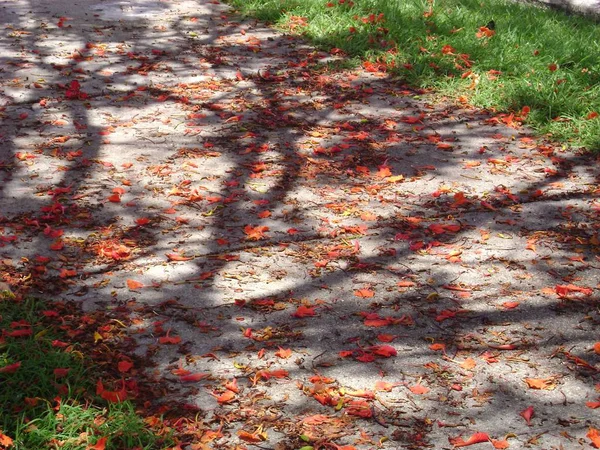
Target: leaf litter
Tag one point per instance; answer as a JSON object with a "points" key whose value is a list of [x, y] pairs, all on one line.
{"points": [[292, 254]]}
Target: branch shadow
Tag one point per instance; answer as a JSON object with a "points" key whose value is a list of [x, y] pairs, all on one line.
{"points": [[271, 201]]}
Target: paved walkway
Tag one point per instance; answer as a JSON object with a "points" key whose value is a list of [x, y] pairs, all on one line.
{"points": [[371, 267], [590, 8]]}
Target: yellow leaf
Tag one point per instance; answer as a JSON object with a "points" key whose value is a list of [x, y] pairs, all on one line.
{"points": [[395, 179]]}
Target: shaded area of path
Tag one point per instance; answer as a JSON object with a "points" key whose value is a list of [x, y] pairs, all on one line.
{"points": [[229, 197]]}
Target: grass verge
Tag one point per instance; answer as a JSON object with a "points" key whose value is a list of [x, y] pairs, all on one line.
{"points": [[493, 54], [48, 391]]}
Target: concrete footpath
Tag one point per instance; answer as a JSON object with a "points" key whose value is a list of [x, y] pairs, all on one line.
{"points": [[294, 253], [590, 8]]}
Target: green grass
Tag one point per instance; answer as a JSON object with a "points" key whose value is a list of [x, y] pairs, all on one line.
{"points": [[411, 35], [48, 390]]}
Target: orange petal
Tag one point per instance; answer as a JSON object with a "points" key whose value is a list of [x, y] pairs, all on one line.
{"points": [[133, 284]]}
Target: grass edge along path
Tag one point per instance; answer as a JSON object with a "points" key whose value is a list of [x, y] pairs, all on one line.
{"points": [[62, 387], [534, 64]]}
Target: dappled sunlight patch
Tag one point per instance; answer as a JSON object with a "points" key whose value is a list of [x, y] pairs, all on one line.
{"points": [[272, 247]]}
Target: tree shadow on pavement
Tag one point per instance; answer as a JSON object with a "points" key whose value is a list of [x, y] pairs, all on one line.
{"points": [[225, 194]]}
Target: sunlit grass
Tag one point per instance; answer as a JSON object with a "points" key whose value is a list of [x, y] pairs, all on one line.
{"points": [[540, 58]]}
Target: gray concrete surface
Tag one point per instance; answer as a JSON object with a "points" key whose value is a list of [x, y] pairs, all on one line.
{"points": [[589, 8], [206, 127]]}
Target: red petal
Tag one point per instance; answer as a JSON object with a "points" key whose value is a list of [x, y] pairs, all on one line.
{"points": [[11, 368], [304, 311], [124, 366], [594, 436], [527, 414], [178, 257], [475, 439], [192, 377]]}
